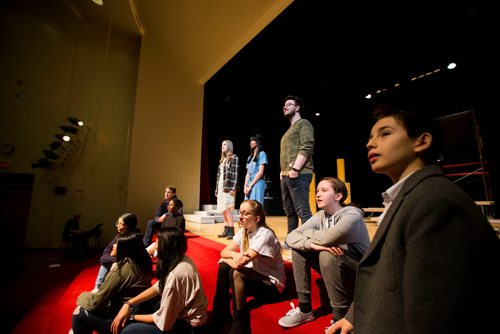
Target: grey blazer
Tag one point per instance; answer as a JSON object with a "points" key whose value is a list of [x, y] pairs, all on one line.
{"points": [[432, 266]]}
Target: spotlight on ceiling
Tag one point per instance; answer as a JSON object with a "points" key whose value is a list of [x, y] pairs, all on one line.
{"points": [[75, 121], [98, 2], [69, 129], [63, 137], [451, 66], [51, 155]]}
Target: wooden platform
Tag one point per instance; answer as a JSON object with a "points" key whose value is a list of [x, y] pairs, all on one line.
{"points": [[277, 223]]}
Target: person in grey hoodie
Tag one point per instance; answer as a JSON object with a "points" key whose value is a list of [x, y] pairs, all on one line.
{"points": [[332, 242]]}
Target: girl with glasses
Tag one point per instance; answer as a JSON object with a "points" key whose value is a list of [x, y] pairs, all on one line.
{"points": [[252, 264]]}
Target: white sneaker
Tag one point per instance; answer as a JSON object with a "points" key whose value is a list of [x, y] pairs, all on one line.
{"points": [[295, 317], [328, 328]]}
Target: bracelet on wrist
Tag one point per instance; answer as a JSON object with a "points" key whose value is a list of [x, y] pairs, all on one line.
{"points": [[295, 169], [128, 303]]}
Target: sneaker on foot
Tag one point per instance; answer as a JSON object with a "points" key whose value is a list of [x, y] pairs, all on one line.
{"points": [[295, 317], [328, 328]]}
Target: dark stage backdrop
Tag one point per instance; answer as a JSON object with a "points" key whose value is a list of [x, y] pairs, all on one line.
{"points": [[313, 51]]}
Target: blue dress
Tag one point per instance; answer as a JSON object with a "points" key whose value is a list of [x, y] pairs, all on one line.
{"points": [[258, 190]]}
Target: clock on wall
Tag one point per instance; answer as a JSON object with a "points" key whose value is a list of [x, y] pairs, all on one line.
{"points": [[7, 149]]}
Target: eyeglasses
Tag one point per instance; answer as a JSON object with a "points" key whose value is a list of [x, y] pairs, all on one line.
{"points": [[290, 104], [245, 214]]}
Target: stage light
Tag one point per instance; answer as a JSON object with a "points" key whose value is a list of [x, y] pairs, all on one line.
{"points": [[69, 129], [55, 145], [42, 163], [61, 137], [51, 155], [75, 121]]}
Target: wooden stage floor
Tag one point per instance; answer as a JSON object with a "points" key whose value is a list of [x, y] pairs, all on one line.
{"points": [[277, 223]]}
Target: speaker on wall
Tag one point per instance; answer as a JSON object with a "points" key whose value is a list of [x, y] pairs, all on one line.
{"points": [[60, 190]]}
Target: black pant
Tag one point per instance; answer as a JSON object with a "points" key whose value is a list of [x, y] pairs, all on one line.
{"points": [[256, 285]]}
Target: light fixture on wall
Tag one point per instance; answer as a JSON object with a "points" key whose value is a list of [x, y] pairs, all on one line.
{"points": [[98, 2], [69, 129], [64, 147], [75, 121], [64, 137], [55, 145], [51, 154], [43, 163]]}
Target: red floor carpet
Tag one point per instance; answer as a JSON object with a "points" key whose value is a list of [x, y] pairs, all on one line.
{"points": [[52, 313]]}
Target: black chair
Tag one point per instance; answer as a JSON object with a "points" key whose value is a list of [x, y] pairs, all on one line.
{"points": [[95, 235], [77, 244]]}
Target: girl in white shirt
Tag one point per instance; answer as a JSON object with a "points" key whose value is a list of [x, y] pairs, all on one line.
{"points": [[252, 264]]}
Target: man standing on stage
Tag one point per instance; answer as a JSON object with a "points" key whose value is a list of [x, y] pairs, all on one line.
{"points": [[296, 164]]}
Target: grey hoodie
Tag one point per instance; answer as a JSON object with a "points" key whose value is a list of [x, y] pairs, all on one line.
{"points": [[346, 229]]}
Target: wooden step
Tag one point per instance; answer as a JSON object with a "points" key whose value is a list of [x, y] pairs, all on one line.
{"points": [[208, 215], [200, 219], [206, 219]]}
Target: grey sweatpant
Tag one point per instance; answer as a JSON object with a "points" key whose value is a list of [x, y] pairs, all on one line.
{"points": [[338, 273]]}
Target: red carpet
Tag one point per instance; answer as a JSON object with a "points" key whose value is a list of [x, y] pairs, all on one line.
{"points": [[52, 314]]}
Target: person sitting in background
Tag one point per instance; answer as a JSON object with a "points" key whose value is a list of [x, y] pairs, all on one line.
{"points": [[130, 275], [183, 302], [175, 216], [332, 242], [173, 219], [432, 266], [161, 214], [72, 226], [252, 264], [74, 237], [126, 223]]}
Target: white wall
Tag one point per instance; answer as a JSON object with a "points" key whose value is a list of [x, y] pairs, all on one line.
{"points": [[143, 102], [54, 66], [166, 144]]}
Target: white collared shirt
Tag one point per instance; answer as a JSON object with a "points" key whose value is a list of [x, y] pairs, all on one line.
{"points": [[389, 195]]}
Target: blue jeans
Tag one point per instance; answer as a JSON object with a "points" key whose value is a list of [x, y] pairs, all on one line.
{"points": [[86, 322], [295, 195], [101, 275], [150, 227]]}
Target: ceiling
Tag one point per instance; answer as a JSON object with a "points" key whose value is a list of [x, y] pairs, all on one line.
{"points": [[329, 52], [121, 15], [199, 36], [328, 43]]}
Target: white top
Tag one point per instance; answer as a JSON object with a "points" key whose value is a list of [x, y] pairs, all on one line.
{"points": [[183, 297], [224, 200], [270, 261]]}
